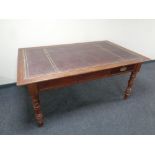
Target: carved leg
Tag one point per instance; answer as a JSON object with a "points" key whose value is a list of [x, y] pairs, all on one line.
{"points": [[131, 81], [130, 84], [33, 90]]}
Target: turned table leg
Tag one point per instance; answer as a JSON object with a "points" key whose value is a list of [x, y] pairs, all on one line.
{"points": [[131, 81], [34, 92]]}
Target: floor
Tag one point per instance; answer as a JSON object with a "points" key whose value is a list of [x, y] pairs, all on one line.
{"points": [[95, 107]]}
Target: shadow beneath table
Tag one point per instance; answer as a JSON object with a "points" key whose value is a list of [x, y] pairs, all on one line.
{"points": [[103, 91]]}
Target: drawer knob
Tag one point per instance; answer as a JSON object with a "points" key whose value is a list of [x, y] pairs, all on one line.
{"points": [[122, 69]]}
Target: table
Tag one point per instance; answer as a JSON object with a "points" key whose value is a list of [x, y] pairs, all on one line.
{"points": [[48, 67]]}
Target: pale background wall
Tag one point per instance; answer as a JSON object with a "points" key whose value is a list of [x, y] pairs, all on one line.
{"points": [[137, 35]]}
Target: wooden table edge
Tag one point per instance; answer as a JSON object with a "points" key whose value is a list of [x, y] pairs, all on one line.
{"points": [[21, 81]]}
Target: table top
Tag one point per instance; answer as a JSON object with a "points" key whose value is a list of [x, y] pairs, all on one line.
{"points": [[44, 63]]}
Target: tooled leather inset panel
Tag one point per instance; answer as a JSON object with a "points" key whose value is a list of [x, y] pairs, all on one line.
{"points": [[79, 56], [60, 58], [37, 63], [117, 51]]}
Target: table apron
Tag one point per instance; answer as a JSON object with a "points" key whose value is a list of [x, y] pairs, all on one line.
{"points": [[66, 81]]}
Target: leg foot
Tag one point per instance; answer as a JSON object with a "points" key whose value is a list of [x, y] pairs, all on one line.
{"points": [[37, 110], [131, 81], [33, 89], [127, 93], [130, 84]]}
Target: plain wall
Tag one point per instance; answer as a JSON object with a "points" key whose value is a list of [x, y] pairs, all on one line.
{"points": [[137, 35]]}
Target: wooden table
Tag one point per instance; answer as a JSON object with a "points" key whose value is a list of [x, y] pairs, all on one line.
{"points": [[42, 68]]}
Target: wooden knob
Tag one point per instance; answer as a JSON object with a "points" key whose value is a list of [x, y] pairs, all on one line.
{"points": [[122, 69]]}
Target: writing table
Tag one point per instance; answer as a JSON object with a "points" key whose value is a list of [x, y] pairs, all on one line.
{"points": [[47, 67]]}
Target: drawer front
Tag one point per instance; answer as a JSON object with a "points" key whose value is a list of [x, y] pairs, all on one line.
{"points": [[73, 80], [122, 69]]}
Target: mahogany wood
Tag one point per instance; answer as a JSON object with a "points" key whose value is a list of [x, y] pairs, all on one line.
{"points": [[131, 80], [34, 92], [48, 67]]}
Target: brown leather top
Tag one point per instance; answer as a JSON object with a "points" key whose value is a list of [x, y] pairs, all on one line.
{"points": [[50, 62]]}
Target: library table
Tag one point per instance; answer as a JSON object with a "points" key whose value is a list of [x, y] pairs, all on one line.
{"points": [[48, 67]]}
